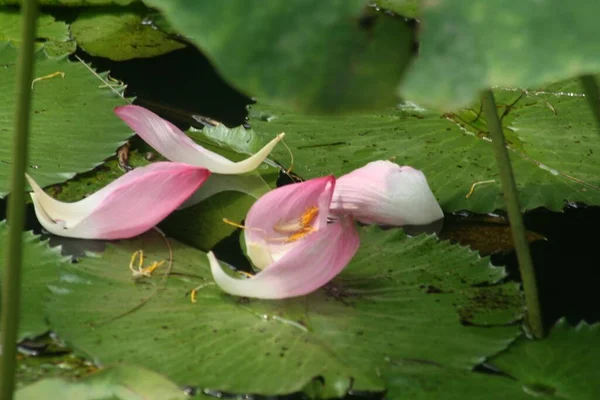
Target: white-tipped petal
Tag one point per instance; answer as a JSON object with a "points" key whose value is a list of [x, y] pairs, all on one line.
{"points": [[307, 267], [176, 146], [384, 193], [126, 207]]}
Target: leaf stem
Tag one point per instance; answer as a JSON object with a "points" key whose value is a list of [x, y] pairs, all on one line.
{"points": [[11, 274], [592, 94], [509, 187]]}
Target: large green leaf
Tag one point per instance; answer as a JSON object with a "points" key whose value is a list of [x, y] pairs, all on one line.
{"points": [[552, 135], [117, 383], [40, 267], [407, 8], [413, 298], [74, 3], [562, 366], [314, 55], [73, 128], [54, 34], [412, 380], [468, 46], [47, 27], [120, 34]]}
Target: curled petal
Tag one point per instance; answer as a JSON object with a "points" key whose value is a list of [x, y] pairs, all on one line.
{"points": [[384, 193], [305, 268], [126, 207], [176, 146], [274, 217]]}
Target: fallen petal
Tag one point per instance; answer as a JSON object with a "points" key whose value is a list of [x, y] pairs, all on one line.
{"points": [[126, 207], [175, 145], [305, 268], [384, 193], [276, 217]]}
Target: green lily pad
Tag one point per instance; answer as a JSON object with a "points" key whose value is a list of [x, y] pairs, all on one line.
{"points": [[73, 128], [120, 34], [47, 28], [40, 267], [399, 298], [322, 56], [407, 8], [54, 34], [117, 383], [562, 366], [551, 134], [75, 3], [420, 381], [466, 47]]}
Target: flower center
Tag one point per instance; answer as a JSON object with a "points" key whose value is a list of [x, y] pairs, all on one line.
{"points": [[300, 227]]}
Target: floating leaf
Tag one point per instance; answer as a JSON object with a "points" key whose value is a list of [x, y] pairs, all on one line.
{"points": [[73, 128], [75, 3], [420, 381], [54, 34], [400, 297], [407, 8], [551, 134], [562, 366], [40, 267], [117, 383], [322, 56], [121, 34], [466, 47]]}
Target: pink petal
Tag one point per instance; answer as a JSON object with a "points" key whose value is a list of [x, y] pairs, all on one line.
{"points": [[126, 207], [175, 145], [280, 207], [311, 264], [384, 193]]}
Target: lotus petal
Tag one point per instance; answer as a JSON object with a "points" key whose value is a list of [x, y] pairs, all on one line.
{"points": [[384, 193], [283, 218], [312, 263], [175, 145], [126, 207]]}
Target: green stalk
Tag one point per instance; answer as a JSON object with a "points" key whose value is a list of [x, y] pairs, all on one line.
{"points": [[11, 274], [517, 227], [592, 94]]}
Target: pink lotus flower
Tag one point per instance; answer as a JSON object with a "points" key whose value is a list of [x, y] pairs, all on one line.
{"points": [[175, 145], [126, 207], [289, 238], [385, 193]]}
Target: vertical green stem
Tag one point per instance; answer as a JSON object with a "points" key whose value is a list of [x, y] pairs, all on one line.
{"points": [[509, 187], [592, 94], [11, 274]]}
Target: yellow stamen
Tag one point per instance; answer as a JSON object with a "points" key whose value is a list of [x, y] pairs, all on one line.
{"points": [[141, 271], [230, 222], [309, 216], [193, 295], [49, 76], [477, 184]]}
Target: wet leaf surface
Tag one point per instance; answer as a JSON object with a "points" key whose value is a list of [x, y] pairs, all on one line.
{"points": [[40, 266], [400, 297], [467, 47], [551, 134], [121, 34], [68, 114], [117, 383]]}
